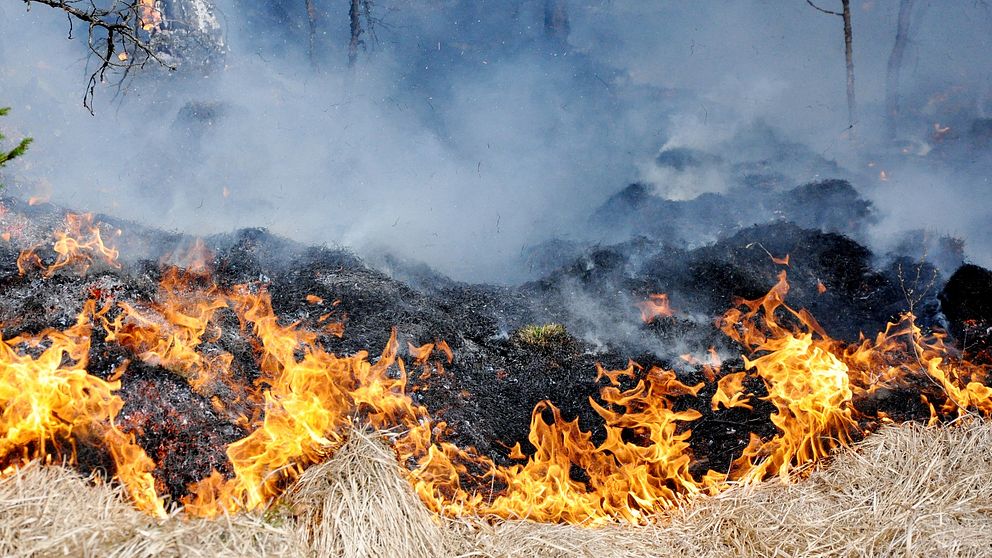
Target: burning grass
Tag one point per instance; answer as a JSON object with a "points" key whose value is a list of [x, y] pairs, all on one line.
{"points": [[199, 395], [907, 490]]}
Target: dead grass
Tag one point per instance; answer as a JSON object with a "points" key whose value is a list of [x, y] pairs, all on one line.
{"points": [[906, 491], [357, 504], [52, 511]]}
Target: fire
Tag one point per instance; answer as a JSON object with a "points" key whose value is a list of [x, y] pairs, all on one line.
{"points": [[78, 246], [306, 398], [167, 333], [193, 257], [48, 401], [150, 15], [780, 261], [730, 392], [656, 306]]}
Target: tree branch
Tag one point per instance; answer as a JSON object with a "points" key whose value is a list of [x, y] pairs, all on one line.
{"points": [[114, 37], [810, 2]]}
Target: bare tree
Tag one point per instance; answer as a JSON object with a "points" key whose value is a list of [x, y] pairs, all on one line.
{"points": [[116, 36], [894, 68], [362, 21], [845, 14]]}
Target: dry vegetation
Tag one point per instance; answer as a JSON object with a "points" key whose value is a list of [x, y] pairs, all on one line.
{"points": [[906, 491]]}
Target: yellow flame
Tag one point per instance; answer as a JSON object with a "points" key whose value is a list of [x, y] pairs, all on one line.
{"points": [[78, 246], [307, 398]]}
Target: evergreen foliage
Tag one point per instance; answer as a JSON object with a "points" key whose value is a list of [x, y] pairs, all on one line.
{"points": [[6, 156]]}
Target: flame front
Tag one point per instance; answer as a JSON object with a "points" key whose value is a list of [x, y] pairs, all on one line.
{"points": [[48, 401], [306, 399]]}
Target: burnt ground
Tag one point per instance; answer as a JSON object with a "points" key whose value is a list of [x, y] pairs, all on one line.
{"points": [[499, 373]]}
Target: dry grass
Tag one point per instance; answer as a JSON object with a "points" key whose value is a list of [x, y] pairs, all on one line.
{"points": [[52, 511], [357, 504], [906, 491]]}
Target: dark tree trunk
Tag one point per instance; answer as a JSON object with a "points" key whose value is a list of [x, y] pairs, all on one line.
{"points": [[849, 57], [894, 68], [355, 17], [845, 14], [312, 20]]}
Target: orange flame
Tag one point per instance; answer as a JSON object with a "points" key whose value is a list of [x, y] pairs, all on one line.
{"points": [[150, 15], [77, 246], [49, 400], [656, 306], [730, 392], [307, 399], [195, 258]]}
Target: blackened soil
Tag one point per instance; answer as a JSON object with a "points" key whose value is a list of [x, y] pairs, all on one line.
{"points": [[967, 302], [487, 394], [178, 429]]}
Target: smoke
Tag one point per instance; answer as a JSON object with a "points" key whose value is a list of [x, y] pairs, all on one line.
{"points": [[465, 135]]}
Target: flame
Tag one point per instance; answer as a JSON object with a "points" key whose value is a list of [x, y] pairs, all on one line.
{"points": [[656, 306], [730, 392], [150, 15], [307, 398], [48, 400], [167, 333], [78, 246], [196, 258]]}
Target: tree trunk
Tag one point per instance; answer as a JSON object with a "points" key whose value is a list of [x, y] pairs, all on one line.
{"points": [[849, 57], [556, 24], [355, 16], [312, 20], [894, 68]]}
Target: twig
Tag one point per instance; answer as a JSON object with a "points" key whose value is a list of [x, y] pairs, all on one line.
{"points": [[121, 49], [810, 2]]}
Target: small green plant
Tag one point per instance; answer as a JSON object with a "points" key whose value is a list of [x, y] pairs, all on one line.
{"points": [[277, 514], [542, 335], [17, 151]]}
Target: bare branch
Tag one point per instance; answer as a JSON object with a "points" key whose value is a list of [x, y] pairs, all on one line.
{"points": [[114, 37], [358, 11], [810, 2]]}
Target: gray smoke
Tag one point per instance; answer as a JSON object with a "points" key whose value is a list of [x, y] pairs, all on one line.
{"points": [[465, 135]]}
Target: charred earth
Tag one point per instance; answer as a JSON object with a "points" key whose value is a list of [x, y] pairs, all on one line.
{"points": [[482, 359]]}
